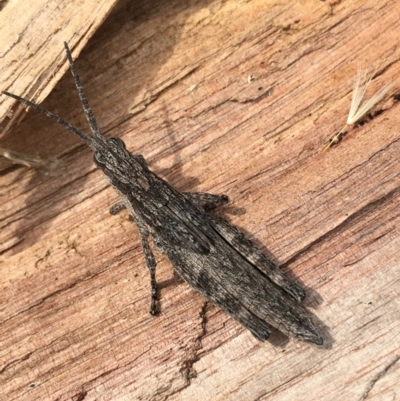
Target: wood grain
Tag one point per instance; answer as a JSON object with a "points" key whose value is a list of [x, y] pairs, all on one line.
{"points": [[236, 97], [31, 37]]}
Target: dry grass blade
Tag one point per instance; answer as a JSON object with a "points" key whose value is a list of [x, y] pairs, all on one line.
{"points": [[47, 166], [356, 111]]}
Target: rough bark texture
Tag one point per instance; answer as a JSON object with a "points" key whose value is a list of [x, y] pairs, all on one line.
{"points": [[228, 97]]}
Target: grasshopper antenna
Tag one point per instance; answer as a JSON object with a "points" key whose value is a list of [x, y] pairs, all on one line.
{"points": [[88, 111], [54, 117], [86, 108]]}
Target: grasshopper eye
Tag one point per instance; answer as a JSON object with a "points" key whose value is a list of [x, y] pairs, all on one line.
{"points": [[99, 158], [116, 143]]}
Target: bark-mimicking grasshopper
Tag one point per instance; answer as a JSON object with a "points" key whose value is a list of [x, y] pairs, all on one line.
{"points": [[210, 254]]}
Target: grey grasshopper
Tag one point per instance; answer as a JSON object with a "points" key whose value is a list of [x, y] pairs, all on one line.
{"points": [[210, 254]]}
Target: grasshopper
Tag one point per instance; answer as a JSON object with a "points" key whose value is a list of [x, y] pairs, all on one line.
{"points": [[209, 253]]}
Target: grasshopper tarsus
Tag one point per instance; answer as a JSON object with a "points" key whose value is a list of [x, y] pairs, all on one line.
{"points": [[115, 209]]}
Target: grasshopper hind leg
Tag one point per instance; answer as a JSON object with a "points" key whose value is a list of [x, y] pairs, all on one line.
{"points": [[151, 264], [250, 252], [244, 246], [148, 255]]}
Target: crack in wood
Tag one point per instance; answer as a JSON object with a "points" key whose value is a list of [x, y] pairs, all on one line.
{"points": [[187, 368], [345, 224], [379, 376]]}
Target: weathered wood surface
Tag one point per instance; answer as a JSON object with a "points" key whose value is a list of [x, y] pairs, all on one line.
{"points": [[172, 80], [31, 58]]}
